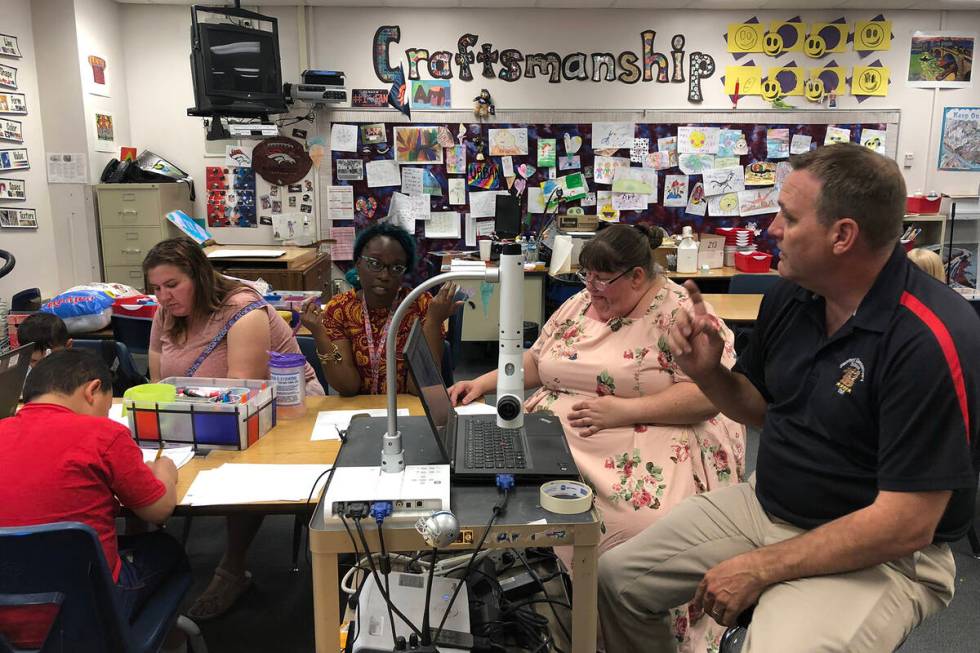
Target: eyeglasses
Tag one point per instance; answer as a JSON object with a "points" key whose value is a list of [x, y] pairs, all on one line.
{"points": [[589, 279], [374, 265]]}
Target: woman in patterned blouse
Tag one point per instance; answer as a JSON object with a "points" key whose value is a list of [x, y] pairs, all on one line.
{"points": [[351, 329]]}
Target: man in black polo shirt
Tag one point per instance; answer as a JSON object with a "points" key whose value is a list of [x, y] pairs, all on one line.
{"points": [[862, 374]]}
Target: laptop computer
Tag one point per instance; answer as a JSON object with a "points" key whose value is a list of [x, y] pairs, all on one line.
{"points": [[13, 371], [475, 447]]}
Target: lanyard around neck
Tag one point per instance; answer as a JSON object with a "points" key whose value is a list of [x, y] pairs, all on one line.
{"points": [[376, 351]]}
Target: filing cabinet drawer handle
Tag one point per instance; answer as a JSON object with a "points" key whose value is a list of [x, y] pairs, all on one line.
{"points": [[135, 274], [131, 250]]}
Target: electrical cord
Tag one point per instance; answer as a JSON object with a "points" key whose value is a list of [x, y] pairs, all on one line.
{"points": [[378, 509], [551, 603], [505, 485], [309, 498], [357, 556], [377, 579]]}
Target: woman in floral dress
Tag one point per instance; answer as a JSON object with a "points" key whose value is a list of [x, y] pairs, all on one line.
{"points": [[642, 433]]}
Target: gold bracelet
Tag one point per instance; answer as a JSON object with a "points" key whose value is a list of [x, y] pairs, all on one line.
{"points": [[333, 357]]}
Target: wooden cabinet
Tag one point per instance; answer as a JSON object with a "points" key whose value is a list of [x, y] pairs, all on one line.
{"points": [[299, 268], [132, 219]]}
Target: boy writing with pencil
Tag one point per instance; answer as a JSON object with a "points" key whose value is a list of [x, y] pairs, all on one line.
{"points": [[64, 460]]}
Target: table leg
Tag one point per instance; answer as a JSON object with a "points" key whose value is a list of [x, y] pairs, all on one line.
{"points": [[584, 602], [326, 605]]}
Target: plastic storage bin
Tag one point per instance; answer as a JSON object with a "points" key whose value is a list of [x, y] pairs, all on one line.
{"points": [[754, 262], [202, 424]]}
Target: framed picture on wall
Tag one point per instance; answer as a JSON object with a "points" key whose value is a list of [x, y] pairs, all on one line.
{"points": [[959, 140], [13, 103], [96, 79], [18, 218], [105, 135], [8, 77], [14, 159], [941, 59], [8, 46], [11, 130], [13, 189]]}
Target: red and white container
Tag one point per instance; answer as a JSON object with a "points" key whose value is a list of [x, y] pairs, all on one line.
{"points": [[753, 262]]}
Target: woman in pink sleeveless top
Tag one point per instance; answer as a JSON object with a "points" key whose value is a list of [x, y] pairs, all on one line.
{"points": [[198, 307]]}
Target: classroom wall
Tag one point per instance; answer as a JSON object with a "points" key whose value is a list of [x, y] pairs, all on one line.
{"points": [[28, 246]]}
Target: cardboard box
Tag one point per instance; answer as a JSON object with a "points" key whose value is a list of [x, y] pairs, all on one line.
{"points": [[570, 223], [712, 251]]}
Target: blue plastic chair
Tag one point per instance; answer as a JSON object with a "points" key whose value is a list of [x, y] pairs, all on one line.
{"points": [[119, 360], [66, 559], [307, 345]]}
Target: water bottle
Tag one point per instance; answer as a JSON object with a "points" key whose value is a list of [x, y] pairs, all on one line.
{"points": [[289, 373], [687, 252]]}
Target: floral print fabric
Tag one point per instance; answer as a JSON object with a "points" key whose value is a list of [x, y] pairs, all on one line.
{"points": [[638, 472]]}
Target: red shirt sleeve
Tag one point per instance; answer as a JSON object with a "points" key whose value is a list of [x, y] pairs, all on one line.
{"points": [[130, 478]]}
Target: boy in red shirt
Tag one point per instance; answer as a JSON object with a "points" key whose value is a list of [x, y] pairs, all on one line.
{"points": [[64, 460]]}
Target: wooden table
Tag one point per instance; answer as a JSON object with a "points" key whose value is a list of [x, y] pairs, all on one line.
{"points": [[288, 443], [299, 268], [714, 273], [734, 308]]}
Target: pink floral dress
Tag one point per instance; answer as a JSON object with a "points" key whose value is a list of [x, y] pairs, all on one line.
{"points": [[637, 472]]}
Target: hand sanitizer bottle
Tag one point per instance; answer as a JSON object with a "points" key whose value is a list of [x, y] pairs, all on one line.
{"points": [[687, 252]]}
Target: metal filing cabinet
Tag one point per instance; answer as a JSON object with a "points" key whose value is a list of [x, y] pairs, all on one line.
{"points": [[132, 219]]}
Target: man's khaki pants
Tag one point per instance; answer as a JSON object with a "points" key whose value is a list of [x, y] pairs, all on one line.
{"points": [[872, 609]]}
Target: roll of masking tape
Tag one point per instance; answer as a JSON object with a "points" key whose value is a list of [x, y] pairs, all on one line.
{"points": [[566, 497]]}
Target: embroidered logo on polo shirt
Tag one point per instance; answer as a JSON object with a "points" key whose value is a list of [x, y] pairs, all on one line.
{"points": [[852, 371]]}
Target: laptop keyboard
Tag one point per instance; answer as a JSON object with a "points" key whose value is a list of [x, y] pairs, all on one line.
{"points": [[491, 447]]}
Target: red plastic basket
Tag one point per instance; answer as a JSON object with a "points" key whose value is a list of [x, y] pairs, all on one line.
{"points": [[754, 262]]}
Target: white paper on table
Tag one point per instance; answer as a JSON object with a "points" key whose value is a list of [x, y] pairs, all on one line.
{"points": [[116, 415], [476, 408], [329, 423], [457, 191], [343, 138], [442, 224], [535, 199], [484, 228], [612, 135], [800, 143], [382, 173], [630, 201], [470, 233], [561, 255], [412, 180], [483, 204], [723, 180], [180, 455], [234, 484], [340, 202], [246, 253]]}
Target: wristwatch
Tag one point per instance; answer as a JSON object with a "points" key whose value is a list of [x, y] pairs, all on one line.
{"points": [[333, 357]]}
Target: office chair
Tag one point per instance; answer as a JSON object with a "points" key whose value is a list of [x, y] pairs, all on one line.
{"points": [[120, 361], [307, 345], [62, 567]]}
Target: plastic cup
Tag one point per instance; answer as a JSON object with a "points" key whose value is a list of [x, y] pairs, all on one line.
{"points": [[485, 246], [289, 373]]}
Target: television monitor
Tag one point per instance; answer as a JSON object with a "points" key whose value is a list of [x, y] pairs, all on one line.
{"points": [[235, 65]]}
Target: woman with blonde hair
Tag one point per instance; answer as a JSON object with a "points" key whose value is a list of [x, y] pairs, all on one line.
{"points": [[928, 261]]}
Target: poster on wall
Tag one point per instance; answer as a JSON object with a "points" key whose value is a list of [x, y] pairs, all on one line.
{"points": [[941, 59], [431, 94], [105, 138], [67, 168], [13, 103], [959, 142], [11, 130], [369, 98], [15, 159], [8, 46], [18, 218], [96, 80], [8, 77], [12, 189]]}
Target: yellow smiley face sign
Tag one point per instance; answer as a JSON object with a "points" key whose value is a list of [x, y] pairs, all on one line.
{"points": [[814, 46], [813, 90], [872, 35], [745, 37], [770, 90], [870, 80], [772, 44]]}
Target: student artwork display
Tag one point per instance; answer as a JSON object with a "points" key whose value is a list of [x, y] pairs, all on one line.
{"points": [[13, 103], [8, 77], [959, 144], [95, 78], [14, 159], [18, 218], [9, 46], [13, 189], [417, 145], [373, 133], [11, 130], [105, 136], [431, 94], [508, 142], [941, 59]]}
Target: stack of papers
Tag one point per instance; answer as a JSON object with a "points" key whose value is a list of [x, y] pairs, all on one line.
{"points": [[231, 484], [329, 423], [180, 455]]}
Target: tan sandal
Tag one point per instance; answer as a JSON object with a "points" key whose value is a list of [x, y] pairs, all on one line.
{"points": [[223, 591]]}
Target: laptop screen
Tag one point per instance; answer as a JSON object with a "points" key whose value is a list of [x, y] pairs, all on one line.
{"points": [[13, 372], [432, 388]]}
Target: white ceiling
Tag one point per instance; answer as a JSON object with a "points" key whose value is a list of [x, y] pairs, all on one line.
{"points": [[925, 5]]}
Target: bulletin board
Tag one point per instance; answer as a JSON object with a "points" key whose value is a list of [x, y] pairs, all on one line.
{"points": [[373, 203]]}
